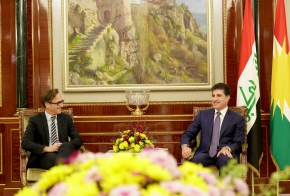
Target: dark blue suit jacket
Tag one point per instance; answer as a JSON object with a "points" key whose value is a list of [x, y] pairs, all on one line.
{"points": [[232, 131], [36, 136]]}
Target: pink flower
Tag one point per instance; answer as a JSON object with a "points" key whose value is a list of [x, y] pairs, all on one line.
{"points": [[72, 157], [229, 193], [241, 186], [172, 186], [83, 157], [227, 179], [93, 175], [189, 190], [125, 190], [58, 190], [162, 158], [214, 191], [208, 177]]}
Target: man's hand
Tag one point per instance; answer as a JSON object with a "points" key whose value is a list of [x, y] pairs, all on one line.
{"points": [[53, 148], [186, 151], [226, 152]]}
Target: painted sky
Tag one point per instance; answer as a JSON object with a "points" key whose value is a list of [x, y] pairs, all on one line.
{"points": [[197, 6]]}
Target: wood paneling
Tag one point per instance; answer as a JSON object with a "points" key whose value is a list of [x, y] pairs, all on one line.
{"points": [[41, 50], [232, 36], [265, 48], [8, 88]]}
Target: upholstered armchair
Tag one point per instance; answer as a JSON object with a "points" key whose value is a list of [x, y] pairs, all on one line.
{"points": [[242, 110], [31, 175]]}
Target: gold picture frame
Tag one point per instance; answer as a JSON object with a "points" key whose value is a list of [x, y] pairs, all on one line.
{"points": [[94, 76]]}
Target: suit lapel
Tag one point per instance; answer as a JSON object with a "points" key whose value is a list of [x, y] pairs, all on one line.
{"points": [[45, 126], [226, 121], [211, 119], [59, 125]]}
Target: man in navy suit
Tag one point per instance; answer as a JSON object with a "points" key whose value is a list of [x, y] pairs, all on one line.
{"points": [[231, 131], [45, 151]]}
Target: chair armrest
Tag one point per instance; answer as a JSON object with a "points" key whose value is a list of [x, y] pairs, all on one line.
{"points": [[244, 153], [23, 162], [244, 160], [83, 149]]}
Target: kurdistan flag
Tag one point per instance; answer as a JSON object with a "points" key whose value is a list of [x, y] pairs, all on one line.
{"points": [[248, 90], [280, 92]]}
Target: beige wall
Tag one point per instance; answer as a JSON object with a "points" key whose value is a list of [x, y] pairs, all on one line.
{"points": [[119, 96], [287, 7]]}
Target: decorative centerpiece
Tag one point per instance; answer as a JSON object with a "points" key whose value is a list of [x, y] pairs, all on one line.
{"points": [[150, 173], [134, 140], [137, 98]]}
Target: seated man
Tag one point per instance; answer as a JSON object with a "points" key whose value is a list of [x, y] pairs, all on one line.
{"points": [[46, 135], [222, 131]]}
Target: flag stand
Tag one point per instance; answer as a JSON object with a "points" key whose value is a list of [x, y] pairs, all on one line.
{"points": [[253, 183], [277, 188]]}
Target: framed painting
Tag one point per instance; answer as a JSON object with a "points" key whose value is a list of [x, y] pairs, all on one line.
{"points": [[117, 45]]}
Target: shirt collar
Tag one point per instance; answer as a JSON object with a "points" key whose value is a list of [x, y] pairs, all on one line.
{"points": [[48, 116], [223, 111]]}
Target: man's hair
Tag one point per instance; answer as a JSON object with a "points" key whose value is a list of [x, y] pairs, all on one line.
{"points": [[48, 96], [222, 86]]}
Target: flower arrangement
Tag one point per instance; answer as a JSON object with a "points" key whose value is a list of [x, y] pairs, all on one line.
{"points": [[149, 173], [134, 139]]}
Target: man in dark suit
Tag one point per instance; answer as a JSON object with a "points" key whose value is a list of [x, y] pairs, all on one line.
{"points": [[227, 125], [46, 135]]}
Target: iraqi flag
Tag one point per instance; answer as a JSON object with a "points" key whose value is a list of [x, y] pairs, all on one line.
{"points": [[280, 92], [248, 90]]}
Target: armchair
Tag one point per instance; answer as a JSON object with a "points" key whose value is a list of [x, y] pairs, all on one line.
{"points": [[242, 110], [31, 175]]}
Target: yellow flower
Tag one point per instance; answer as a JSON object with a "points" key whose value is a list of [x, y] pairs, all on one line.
{"points": [[148, 142], [54, 175], [137, 148], [123, 145], [115, 148], [190, 175], [143, 136], [27, 192], [155, 189], [127, 131], [125, 172], [88, 188], [119, 140], [131, 139], [158, 173], [141, 143]]}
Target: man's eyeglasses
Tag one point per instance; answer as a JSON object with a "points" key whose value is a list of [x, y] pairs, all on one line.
{"points": [[57, 103]]}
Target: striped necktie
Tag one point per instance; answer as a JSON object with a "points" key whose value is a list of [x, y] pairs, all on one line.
{"points": [[53, 131]]}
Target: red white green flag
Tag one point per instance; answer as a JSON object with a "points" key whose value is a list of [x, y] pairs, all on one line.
{"points": [[248, 90], [280, 92]]}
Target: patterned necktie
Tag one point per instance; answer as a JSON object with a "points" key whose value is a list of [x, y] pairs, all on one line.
{"points": [[215, 135], [53, 131]]}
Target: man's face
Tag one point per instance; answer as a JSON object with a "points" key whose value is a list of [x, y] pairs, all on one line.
{"points": [[54, 107], [219, 99]]}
